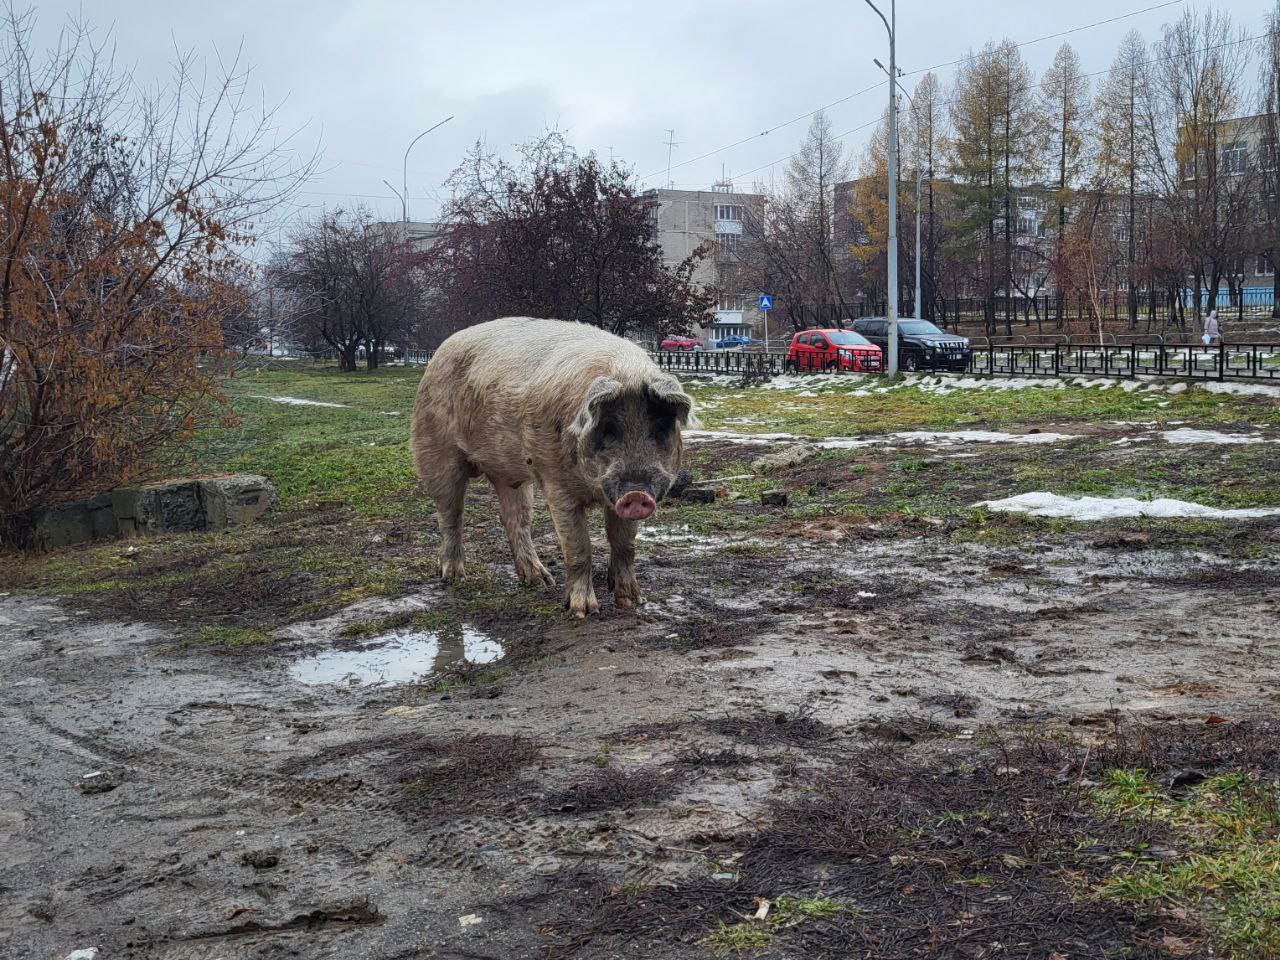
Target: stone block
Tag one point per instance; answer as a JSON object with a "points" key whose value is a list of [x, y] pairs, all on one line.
{"points": [[171, 506], [699, 495], [786, 458], [235, 500], [774, 498], [72, 523]]}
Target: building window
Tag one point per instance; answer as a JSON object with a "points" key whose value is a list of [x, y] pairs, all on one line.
{"points": [[731, 303], [1267, 155], [728, 211], [728, 245], [1233, 159], [1265, 266], [1122, 232]]}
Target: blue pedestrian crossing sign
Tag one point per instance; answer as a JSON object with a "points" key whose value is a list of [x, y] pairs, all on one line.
{"points": [[766, 302]]}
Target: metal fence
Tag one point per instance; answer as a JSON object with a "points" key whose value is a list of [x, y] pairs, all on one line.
{"points": [[1151, 311], [1224, 361], [746, 365], [1249, 361], [1139, 358]]}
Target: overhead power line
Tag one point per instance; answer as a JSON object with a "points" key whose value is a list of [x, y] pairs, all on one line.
{"points": [[882, 83]]}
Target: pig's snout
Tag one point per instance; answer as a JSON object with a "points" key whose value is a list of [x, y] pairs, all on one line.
{"points": [[635, 505]]}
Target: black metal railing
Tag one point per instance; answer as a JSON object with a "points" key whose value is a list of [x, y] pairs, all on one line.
{"points": [[754, 365], [1249, 361]]}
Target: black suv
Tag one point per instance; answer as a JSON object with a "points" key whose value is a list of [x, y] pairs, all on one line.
{"points": [[921, 345]]}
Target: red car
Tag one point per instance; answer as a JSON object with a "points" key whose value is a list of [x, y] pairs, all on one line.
{"points": [[815, 350], [681, 343]]}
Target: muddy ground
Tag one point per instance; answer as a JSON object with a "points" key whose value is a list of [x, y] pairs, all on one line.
{"points": [[881, 731]]}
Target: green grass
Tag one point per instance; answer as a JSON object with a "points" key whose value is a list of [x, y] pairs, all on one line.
{"points": [[791, 910], [736, 939], [856, 407], [1227, 866], [229, 637], [357, 453]]}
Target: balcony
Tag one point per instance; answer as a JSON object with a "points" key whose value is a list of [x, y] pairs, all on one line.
{"points": [[729, 226]]}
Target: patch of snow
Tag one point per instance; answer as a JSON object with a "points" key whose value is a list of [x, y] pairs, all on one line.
{"points": [[298, 401], [946, 438], [1110, 508], [1243, 389], [1186, 435]]}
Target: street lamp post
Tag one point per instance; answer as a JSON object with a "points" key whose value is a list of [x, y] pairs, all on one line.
{"points": [[890, 25], [404, 195], [911, 100]]}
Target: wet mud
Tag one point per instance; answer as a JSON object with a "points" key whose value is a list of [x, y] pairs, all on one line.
{"points": [[786, 715]]}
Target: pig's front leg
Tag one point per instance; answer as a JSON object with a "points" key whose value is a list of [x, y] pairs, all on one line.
{"points": [[570, 520], [622, 558]]}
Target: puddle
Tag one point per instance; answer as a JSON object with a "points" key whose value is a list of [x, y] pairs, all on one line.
{"points": [[403, 656]]}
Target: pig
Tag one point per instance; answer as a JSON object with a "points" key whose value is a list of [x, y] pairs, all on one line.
{"points": [[584, 414]]}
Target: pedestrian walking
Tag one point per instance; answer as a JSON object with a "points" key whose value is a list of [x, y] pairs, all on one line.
{"points": [[1210, 329]]}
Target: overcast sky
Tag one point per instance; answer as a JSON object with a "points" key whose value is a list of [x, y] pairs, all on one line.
{"points": [[361, 78]]}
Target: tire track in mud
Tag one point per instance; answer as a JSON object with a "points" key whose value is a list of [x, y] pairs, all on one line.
{"points": [[205, 773]]}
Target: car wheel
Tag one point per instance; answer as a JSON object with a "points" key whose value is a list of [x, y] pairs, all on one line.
{"points": [[911, 363], [789, 366], [832, 366]]}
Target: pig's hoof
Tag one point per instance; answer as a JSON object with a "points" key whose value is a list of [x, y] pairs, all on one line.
{"points": [[535, 574], [581, 603], [451, 570], [626, 592]]}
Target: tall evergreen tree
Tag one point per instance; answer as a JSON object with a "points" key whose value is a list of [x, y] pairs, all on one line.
{"points": [[1064, 95]]}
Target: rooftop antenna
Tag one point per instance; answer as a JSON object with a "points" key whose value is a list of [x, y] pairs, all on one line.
{"points": [[671, 145]]}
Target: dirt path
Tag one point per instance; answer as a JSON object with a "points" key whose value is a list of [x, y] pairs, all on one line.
{"points": [[170, 802]]}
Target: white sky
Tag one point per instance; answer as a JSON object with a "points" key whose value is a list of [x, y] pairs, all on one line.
{"points": [[363, 77]]}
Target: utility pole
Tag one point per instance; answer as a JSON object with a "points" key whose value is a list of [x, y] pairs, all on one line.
{"points": [[911, 100], [890, 25], [671, 145]]}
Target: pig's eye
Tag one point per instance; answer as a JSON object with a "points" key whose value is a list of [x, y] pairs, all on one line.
{"points": [[608, 434], [661, 425]]}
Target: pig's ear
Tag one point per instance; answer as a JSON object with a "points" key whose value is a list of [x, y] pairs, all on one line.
{"points": [[667, 390], [602, 389]]}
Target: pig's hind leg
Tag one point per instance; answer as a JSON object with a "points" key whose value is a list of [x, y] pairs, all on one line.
{"points": [[622, 558], [446, 481], [516, 504]]}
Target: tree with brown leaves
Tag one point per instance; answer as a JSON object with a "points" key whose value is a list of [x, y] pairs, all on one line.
{"points": [[120, 221]]}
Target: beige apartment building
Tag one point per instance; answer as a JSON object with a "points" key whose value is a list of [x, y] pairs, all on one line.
{"points": [[687, 219]]}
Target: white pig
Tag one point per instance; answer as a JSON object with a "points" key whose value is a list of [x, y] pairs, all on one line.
{"points": [[586, 415]]}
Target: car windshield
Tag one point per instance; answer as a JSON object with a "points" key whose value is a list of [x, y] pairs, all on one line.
{"points": [[849, 339], [919, 328]]}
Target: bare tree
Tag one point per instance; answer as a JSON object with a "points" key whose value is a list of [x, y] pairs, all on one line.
{"points": [[794, 251], [355, 283], [1268, 168], [558, 235], [1202, 167]]}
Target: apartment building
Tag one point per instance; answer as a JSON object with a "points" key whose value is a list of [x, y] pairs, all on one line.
{"points": [[685, 220]]}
